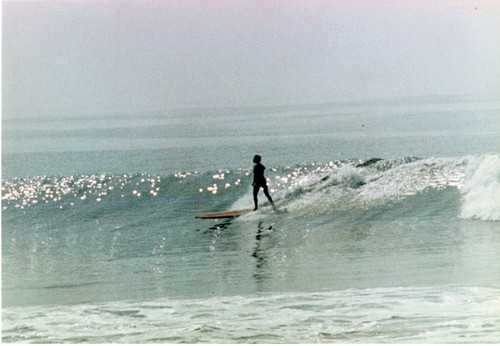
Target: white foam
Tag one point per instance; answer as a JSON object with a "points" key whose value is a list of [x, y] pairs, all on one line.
{"points": [[346, 186], [482, 189], [349, 186], [348, 176], [444, 314], [411, 178]]}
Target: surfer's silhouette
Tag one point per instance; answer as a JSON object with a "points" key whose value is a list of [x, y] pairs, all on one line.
{"points": [[259, 181]]}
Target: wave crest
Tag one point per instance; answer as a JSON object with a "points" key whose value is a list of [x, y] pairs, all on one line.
{"points": [[345, 185], [481, 190]]}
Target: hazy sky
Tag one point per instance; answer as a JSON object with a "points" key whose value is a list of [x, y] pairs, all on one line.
{"points": [[81, 57]]}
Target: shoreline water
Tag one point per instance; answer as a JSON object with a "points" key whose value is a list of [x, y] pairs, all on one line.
{"points": [[444, 314]]}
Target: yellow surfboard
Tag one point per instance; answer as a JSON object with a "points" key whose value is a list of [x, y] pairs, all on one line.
{"points": [[224, 214]]}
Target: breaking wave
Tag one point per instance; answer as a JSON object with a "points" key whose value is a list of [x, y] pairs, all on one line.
{"points": [[319, 189], [307, 189], [481, 190]]}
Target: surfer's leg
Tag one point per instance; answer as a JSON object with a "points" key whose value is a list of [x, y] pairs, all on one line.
{"points": [[266, 192], [255, 192]]}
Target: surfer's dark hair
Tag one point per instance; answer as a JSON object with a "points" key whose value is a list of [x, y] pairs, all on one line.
{"points": [[257, 158]]}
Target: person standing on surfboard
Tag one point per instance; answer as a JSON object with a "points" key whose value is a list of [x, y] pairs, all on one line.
{"points": [[259, 181]]}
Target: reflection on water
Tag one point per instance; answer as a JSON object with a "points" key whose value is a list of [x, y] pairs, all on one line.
{"points": [[259, 253]]}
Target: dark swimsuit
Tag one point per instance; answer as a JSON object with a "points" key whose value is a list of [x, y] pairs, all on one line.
{"points": [[258, 175], [259, 181]]}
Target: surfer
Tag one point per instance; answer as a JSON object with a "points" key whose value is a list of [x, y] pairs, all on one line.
{"points": [[259, 181]]}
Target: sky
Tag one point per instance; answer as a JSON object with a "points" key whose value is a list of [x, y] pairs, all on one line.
{"points": [[90, 57]]}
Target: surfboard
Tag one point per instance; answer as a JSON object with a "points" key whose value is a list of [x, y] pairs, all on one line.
{"points": [[224, 214]]}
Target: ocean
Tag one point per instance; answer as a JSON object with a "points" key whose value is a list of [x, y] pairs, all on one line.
{"points": [[386, 227]]}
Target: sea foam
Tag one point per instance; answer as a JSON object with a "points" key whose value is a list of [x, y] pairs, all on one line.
{"points": [[481, 190]]}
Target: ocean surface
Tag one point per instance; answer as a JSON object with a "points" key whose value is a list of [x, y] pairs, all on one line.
{"points": [[386, 227]]}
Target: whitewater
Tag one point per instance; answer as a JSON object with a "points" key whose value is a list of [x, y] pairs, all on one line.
{"points": [[386, 226]]}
